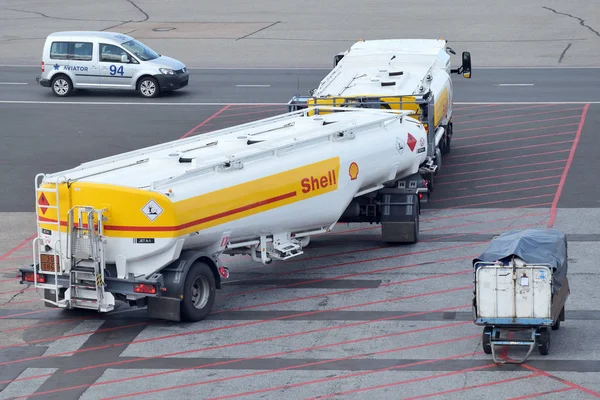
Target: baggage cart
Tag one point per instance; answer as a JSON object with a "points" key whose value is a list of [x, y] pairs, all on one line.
{"points": [[521, 287]]}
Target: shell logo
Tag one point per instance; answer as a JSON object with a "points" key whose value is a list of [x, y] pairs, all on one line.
{"points": [[353, 170]]}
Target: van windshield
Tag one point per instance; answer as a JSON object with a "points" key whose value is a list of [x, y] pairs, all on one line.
{"points": [[140, 50]]}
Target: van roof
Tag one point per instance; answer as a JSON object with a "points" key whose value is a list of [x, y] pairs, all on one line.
{"points": [[114, 36]]}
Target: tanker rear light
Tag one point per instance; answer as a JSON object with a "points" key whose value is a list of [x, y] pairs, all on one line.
{"points": [[28, 277], [224, 272], [144, 288]]}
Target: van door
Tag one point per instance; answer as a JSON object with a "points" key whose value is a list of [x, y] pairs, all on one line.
{"points": [[117, 67], [82, 65], [76, 60]]}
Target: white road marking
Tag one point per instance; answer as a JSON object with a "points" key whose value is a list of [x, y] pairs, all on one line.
{"points": [[13, 83], [514, 84], [119, 103], [253, 85]]}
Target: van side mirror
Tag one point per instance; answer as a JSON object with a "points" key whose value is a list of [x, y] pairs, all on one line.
{"points": [[466, 64], [125, 58]]}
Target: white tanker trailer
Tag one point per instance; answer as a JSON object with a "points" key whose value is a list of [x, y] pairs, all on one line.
{"points": [[147, 227]]}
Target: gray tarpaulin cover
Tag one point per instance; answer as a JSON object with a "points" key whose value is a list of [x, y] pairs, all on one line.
{"points": [[534, 246]]}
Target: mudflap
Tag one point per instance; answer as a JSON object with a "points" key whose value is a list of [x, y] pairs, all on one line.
{"points": [[399, 216], [166, 308]]}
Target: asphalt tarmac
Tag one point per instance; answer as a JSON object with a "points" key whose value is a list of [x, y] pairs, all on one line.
{"points": [[352, 316]]}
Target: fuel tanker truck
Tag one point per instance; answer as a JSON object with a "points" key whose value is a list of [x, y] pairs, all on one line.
{"points": [[396, 74], [148, 227]]}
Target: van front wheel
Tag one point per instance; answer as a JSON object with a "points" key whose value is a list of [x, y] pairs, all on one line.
{"points": [[61, 86], [148, 87]]}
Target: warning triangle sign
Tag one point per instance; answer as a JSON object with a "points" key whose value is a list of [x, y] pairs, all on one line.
{"points": [[411, 142], [43, 201]]}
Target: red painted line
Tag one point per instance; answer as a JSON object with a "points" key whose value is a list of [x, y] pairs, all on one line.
{"points": [[487, 178], [462, 130], [514, 116], [490, 193], [284, 336], [62, 321], [509, 132], [481, 385], [502, 201], [385, 257], [199, 383], [512, 149], [288, 352], [564, 381], [503, 110], [191, 223], [17, 247], [16, 258], [352, 263], [515, 139], [28, 313], [531, 396], [240, 325], [316, 296], [465, 224], [554, 208], [293, 385], [405, 382], [489, 161], [201, 124], [51, 339], [261, 340], [442, 218], [8, 280], [519, 181], [484, 222]]}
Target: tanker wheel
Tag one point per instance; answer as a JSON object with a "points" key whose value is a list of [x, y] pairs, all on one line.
{"points": [[561, 317], [486, 339], [544, 341], [198, 293], [447, 138]]}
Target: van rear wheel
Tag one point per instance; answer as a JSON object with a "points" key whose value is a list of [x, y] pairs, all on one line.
{"points": [[61, 86], [148, 87]]}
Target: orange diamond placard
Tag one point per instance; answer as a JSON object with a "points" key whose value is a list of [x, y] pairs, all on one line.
{"points": [[43, 201]]}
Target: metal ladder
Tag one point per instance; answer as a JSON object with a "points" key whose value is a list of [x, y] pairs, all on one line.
{"points": [[55, 247], [85, 249]]}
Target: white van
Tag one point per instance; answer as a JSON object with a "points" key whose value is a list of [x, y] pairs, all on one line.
{"points": [[107, 60]]}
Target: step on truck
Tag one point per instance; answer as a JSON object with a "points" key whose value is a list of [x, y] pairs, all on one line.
{"points": [[396, 74], [148, 227]]}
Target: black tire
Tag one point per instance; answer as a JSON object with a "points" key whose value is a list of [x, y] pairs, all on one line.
{"points": [[486, 340], [148, 87], [447, 139], [544, 341], [561, 317], [61, 86], [198, 293], [430, 181]]}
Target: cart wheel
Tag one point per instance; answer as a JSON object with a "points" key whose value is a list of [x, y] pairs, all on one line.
{"points": [[544, 341], [486, 339], [561, 317]]}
